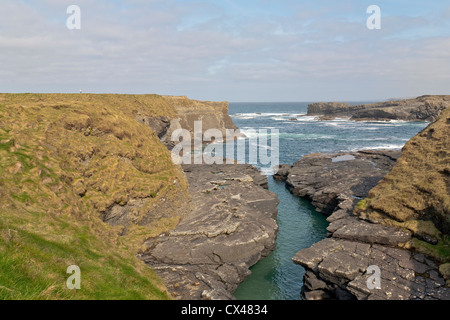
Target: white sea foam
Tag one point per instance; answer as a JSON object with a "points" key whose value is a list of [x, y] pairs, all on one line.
{"points": [[367, 139], [252, 133], [382, 121], [277, 116], [306, 118], [369, 128], [383, 146]]}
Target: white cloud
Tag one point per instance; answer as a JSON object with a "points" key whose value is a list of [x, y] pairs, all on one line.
{"points": [[190, 48]]}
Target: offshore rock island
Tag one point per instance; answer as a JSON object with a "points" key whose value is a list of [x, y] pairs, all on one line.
{"points": [[424, 108]]}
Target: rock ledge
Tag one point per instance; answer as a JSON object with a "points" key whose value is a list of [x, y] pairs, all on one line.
{"points": [[233, 226]]}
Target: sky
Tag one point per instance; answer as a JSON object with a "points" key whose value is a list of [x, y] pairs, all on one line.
{"points": [[228, 50]]}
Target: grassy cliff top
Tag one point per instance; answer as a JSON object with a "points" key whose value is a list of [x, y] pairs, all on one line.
{"points": [[416, 194], [65, 159]]}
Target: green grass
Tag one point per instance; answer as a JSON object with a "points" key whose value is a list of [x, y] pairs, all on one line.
{"points": [[6, 145], [46, 226], [23, 197], [440, 251], [36, 249], [33, 267]]}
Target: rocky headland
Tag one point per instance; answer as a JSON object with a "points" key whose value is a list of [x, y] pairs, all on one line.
{"points": [[385, 210], [424, 108], [88, 180]]}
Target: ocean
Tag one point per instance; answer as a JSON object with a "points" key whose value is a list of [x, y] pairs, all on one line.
{"points": [[277, 277]]}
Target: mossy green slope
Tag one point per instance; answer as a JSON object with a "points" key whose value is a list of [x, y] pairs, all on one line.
{"points": [[415, 195], [64, 160]]}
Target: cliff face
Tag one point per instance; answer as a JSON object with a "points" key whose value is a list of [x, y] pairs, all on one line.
{"points": [[213, 115], [71, 162], [86, 181], [424, 108]]}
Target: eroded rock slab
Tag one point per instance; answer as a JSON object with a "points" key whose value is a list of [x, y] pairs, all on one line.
{"points": [[337, 269], [231, 228], [328, 179]]}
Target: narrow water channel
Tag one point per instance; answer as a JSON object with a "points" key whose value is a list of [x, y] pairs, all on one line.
{"points": [[277, 277]]}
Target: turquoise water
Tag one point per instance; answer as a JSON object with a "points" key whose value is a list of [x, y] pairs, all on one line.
{"points": [[277, 277]]}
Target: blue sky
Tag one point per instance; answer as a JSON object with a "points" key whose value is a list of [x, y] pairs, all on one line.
{"points": [[248, 50]]}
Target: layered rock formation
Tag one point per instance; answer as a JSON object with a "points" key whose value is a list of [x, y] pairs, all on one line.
{"points": [[339, 267], [232, 226], [213, 115], [177, 112], [424, 108]]}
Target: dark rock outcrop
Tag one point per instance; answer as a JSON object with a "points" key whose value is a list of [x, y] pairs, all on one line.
{"points": [[424, 108], [329, 179], [338, 269], [161, 126], [328, 108], [232, 226]]}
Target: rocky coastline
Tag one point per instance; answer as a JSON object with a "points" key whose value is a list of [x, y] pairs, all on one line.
{"points": [[338, 266], [230, 219], [233, 225], [232, 222], [101, 164], [327, 180]]}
